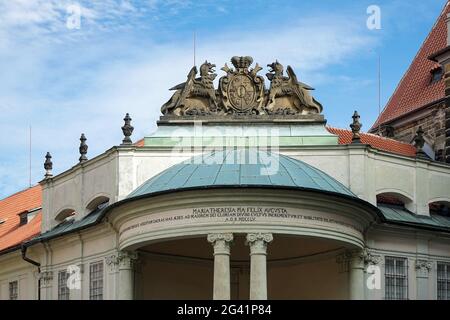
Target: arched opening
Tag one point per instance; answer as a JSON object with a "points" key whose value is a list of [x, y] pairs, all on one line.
{"points": [[440, 208], [175, 269], [64, 215], [394, 199], [97, 202], [305, 268], [297, 268]]}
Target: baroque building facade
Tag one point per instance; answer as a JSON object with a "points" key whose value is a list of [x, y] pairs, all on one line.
{"points": [[242, 192]]}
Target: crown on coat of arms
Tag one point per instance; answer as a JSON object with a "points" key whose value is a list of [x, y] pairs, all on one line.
{"points": [[241, 62]]}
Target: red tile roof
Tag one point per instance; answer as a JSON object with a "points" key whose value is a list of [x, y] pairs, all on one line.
{"points": [[415, 89], [11, 234], [139, 143], [381, 143], [345, 137]]}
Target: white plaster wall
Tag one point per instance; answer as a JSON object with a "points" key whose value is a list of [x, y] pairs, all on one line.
{"points": [[77, 187], [13, 268]]}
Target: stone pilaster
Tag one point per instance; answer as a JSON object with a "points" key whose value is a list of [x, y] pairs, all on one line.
{"points": [[221, 244], [258, 264], [46, 281], [355, 262], [423, 268], [372, 279], [46, 278]]}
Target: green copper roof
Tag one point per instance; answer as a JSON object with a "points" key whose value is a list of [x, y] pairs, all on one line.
{"points": [[70, 226], [241, 168], [396, 214]]}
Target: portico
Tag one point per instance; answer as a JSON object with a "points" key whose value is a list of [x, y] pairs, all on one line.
{"points": [[188, 269], [258, 264], [243, 245]]}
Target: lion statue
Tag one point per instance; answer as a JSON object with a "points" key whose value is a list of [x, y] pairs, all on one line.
{"points": [[287, 95], [196, 96]]}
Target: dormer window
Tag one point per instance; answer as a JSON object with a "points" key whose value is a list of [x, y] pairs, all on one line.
{"points": [[23, 218], [441, 209], [390, 199], [27, 216], [436, 74], [65, 215]]}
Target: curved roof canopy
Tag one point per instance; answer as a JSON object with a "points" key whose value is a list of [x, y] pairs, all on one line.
{"points": [[241, 168]]}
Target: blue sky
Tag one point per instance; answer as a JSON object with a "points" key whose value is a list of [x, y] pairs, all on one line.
{"points": [[127, 53]]}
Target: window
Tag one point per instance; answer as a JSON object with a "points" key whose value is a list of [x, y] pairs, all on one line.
{"points": [[396, 278], [63, 290], [96, 281], [23, 218], [442, 209], [436, 75], [390, 131], [443, 281], [65, 215], [13, 290]]}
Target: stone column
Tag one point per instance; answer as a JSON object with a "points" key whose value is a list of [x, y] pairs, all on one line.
{"points": [[356, 275], [126, 275], [258, 264], [221, 243], [123, 262]]}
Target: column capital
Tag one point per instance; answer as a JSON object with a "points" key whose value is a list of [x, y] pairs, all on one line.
{"points": [[370, 258], [46, 277], [423, 268], [359, 256], [121, 260], [258, 242], [213, 237], [221, 242]]}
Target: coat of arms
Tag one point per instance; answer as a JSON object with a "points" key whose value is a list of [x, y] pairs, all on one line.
{"points": [[241, 89], [241, 93]]}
